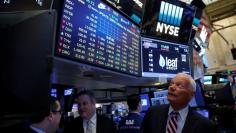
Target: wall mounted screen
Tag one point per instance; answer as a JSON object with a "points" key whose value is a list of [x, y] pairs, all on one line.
{"points": [[168, 20], [91, 32], [161, 58]]}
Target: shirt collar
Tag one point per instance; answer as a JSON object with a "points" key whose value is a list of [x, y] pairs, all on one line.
{"points": [[93, 118], [37, 129], [182, 112]]}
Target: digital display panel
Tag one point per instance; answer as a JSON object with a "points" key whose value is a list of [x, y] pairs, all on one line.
{"points": [[160, 97], [91, 32], [207, 79], [145, 101], [168, 20], [54, 92], [161, 58], [68, 91], [132, 8]]}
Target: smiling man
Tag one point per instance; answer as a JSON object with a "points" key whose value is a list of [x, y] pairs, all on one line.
{"points": [[177, 117], [89, 121]]}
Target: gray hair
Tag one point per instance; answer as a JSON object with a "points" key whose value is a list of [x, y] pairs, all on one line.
{"points": [[191, 80]]}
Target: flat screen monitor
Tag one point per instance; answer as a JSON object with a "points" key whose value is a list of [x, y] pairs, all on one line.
{"points": [[208, 79], [145, 100], [159, 101], [160, 97], [223, 79], [132, 8], [219, 93], [169, 20], [164, 59], [91, 32], [68, 91], [54, 92]]}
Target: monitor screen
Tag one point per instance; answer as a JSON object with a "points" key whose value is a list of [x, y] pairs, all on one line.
{"points": [[54, 92], [68, 91], [169, 20], [161, 58], [132, 8], [208, 79], [219, 93], [223, 79], [160, 97], [145, 101], [93, 33]]}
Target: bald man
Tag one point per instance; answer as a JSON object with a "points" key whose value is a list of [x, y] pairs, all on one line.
{"points": [[177, 117]]}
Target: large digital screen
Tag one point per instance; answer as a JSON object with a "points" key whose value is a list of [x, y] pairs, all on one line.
{"points": [[168, 20], [93, 33], [132, 8], [166, 59]]}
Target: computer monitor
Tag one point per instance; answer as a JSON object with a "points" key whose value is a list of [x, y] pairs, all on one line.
{"points": [[222, 79], [93, 33], [160, 97], [208, 79], [164, 59], [54, 92], [145, 101], [68, 91], [132, 8], [219, 93]]}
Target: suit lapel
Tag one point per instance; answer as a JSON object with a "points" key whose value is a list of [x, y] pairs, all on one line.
{"points": [[98, 129], [163, 120], [188, 125]]}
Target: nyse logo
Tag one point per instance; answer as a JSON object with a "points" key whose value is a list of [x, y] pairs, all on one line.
{"points": [[170, 64], [169, 19]]}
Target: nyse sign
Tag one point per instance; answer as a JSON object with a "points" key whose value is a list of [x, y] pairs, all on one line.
{"points": [[169, 19]]}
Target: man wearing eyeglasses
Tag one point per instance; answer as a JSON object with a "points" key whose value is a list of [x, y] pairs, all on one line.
{"points": [[46, 121]]}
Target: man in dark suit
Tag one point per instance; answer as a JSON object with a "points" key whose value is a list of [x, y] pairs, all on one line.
{"points": [[45, 121], [89, 121], [177, 117]]}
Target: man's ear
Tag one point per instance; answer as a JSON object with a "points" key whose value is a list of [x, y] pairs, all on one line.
{"points": [[50, 116]]}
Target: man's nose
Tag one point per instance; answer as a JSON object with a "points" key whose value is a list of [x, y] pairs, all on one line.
{"points": [[172, 87]]}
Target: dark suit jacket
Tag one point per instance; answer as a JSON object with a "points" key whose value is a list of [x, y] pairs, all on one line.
{"points": [[155, 121], [104, 125]]}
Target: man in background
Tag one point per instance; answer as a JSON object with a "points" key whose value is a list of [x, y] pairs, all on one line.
{"points": [[89, 121], [177, 117], [46, 121], [132, 122]]}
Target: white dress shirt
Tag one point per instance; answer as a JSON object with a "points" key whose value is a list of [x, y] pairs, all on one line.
{"points": [[37, 129], [181, 118], [93, 120]]}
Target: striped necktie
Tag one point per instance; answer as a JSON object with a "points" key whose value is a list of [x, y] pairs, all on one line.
{"points": [[172, 123], [89, 128]]}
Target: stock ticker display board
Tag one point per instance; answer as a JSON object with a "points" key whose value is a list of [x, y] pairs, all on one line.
{"points": [[92, 32]]}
